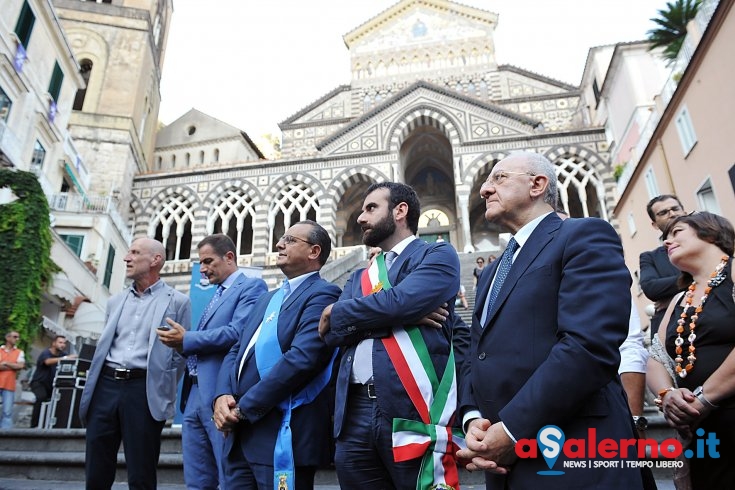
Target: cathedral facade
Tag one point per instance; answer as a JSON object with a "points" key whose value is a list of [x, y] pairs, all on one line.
{"points": [[427, 105]]}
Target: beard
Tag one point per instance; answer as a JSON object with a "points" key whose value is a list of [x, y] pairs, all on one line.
{"points": [[377, 234]]}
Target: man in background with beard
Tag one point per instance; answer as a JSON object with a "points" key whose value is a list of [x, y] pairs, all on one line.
{"points": [[396, 324]]}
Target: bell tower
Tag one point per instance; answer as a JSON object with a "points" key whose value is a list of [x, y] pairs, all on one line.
{"points": [[120, 47]]}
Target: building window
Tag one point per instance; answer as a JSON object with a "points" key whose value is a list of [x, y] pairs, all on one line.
{"points": [[74, 242], [108, 266], [631, 224], [596, 92], [707, 199], [5, 105], [39, 155], [54, 87], [651, 185], [684, 127], [216, 155], [24, 26], [201, 157], [86, 71]]}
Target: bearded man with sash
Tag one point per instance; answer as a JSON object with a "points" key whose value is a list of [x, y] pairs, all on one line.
{"points": [[396, 393], [270, 400]]}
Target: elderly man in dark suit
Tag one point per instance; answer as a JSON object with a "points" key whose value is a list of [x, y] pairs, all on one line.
{"points": [[549, 318], [271, 401]]}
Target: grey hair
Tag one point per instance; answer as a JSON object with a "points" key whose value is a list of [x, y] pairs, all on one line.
{"points": [[540, 165]]}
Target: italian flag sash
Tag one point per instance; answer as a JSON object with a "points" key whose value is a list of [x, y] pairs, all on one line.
{"points": [[432, 438]]}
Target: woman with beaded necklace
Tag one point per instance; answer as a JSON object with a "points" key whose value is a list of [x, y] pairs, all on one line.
{"points": [[695, 375]]}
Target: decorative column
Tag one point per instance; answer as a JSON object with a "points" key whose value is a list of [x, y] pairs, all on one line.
{"points": [[463, 199]]}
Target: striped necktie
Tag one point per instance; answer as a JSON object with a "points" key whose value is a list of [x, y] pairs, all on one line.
{"points": [[191, 361]]}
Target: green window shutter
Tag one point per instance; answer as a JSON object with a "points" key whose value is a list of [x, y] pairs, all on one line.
{"points": [[24, 26], [74, 242], [108, 266], [54, 88]]}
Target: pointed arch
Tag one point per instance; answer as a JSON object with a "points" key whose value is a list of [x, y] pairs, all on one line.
{"points": [[231, 206], [292, 198], [173, 219], [422, 116]]}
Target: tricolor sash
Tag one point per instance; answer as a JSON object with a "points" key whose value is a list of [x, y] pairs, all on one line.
{"points": [[431, 438], [267, 353]]}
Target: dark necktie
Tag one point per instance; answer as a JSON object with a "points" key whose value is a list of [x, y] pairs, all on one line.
{"points": [[191, 361], [503, 268]]}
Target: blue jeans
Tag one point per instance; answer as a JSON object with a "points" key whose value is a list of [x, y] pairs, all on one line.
{"points": [[8, 400]]}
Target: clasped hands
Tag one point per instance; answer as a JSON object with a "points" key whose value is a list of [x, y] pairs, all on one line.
{"points": [[683, 411], [225, 414], [489, 448]]}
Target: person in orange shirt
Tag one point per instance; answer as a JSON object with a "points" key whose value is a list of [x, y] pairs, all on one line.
{"points": [[12, 360]]}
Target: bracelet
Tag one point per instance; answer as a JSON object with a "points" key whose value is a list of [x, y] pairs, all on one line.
{"points": [[661, 394], [699, 393]]}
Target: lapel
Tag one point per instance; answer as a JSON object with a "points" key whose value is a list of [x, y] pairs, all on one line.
{"points": [[163, 298], [225, 294], [109, 332], [538, 240]]}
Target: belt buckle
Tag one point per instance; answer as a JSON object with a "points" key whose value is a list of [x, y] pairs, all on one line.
{"points": [[121, 373], [371, 391]]}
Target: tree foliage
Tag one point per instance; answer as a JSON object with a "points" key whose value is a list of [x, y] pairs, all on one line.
{"points": [[671, 26], [25, 254]]}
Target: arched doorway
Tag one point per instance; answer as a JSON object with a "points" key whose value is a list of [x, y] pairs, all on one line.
{"points": [[426, 161]]}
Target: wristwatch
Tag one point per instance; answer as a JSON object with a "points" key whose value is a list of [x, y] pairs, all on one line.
{"points": [[699, 393], [640, 422]]}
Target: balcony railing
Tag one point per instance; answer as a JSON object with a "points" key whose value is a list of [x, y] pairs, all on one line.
{"points": [[76, 203]]}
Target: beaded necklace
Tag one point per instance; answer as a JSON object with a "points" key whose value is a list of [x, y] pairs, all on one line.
{"points": [[716, 279]]}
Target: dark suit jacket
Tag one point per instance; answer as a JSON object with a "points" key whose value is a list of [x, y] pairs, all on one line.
{"points": [[304, 356], [219, 332], [548, 353], [658, 275], [424, 276]]}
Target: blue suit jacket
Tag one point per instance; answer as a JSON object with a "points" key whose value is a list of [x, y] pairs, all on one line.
{"points": [[424, 276], [304, 356], [165, 365], [220, 331], [548, 353]]}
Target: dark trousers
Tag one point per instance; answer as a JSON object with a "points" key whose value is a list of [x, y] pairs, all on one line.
{"points": [[119, 412], [241, 474], [364, 456], [43, 394]]}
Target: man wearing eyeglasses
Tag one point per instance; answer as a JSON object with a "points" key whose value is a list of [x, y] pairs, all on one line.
{"points": [[12, 360], [270, 398], [218, 329], [549, 317], [658, 276]]}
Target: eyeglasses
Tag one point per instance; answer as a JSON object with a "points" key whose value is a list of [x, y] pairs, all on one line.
{"points": [[501, 176], [665, 212], [480, 262], [290, 239], [14, 336]]}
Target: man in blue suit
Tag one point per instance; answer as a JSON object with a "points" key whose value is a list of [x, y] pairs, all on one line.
{"points": [[219, 328], [270, 397], [395, 321], [131, 383], [548, 321]]}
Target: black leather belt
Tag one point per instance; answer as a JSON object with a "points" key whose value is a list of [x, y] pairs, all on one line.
{"points": [[194, 380], [363, 390], [122, 373]]}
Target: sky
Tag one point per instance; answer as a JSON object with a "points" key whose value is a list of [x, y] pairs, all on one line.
{"points": [[254, 63]]}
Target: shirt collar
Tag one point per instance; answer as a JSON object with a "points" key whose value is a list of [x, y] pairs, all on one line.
{"points": [[524, 233], [401, 246], [231, 279], [156, 286], [299, 280]]}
